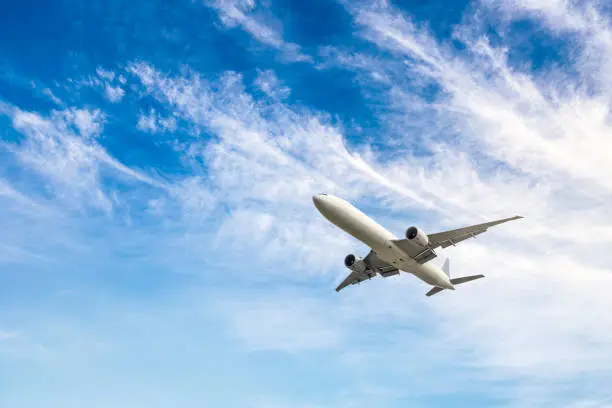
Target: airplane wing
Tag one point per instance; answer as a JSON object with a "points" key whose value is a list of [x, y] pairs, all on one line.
{"points": [[445, 239], [452, 237], [353, 279], [375, 265], [419, 254]]}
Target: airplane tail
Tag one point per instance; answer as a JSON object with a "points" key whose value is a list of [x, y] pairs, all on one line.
{"points": [[454, 281], [446, 267]]}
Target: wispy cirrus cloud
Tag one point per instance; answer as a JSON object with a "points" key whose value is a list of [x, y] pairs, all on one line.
{"points": [[507, 112], [263, 148], [153, 122], [269, 83], [63, 149], [258, 21]]}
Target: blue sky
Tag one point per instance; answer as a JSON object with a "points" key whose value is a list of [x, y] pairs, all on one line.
{"points": [[159, 244]]}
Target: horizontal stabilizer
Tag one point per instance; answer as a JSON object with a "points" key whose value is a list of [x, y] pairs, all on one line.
{"points": [[463, 279], [434, 290], [455, 281]]}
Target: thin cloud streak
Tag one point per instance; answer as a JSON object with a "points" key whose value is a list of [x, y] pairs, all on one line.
{"points": [[258, 22]]}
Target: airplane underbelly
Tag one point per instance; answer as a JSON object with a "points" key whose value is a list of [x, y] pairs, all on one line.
{"points": [[430, 274], [426, 276], [360, 227], [396, 257], [392, 255]]}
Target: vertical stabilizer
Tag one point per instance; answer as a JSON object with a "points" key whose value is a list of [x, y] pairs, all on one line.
{"points": [[446, 267]]}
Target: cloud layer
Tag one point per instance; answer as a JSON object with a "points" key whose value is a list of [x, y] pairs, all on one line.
{"points": [[221, 200]]}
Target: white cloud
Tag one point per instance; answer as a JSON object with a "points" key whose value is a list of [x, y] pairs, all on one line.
{"points": [[585, 25], [7, 190], [272, 239], [105, 74], [524, 121], [260, 138], [195, 198], [259, 23], [62, 149], [154, 122], [52, 96], [107, 81], [114, 93], [59, 154], [263, 150], [269, 83], [147, 123]]}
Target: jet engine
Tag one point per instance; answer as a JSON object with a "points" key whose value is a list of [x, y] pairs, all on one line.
{"points": [[417, 237], [355, 263]]}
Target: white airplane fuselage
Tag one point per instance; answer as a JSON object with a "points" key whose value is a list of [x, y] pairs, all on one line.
{"points": [[345, 216]]}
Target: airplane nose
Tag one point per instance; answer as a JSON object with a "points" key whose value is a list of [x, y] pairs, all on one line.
{"points": [[318, 199]]}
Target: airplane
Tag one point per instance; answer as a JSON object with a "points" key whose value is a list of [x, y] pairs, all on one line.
{"points": [[390, 255]]}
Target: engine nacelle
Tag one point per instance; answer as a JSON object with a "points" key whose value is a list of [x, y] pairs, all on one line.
{"points": [[355, 263], [417, 237]]}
